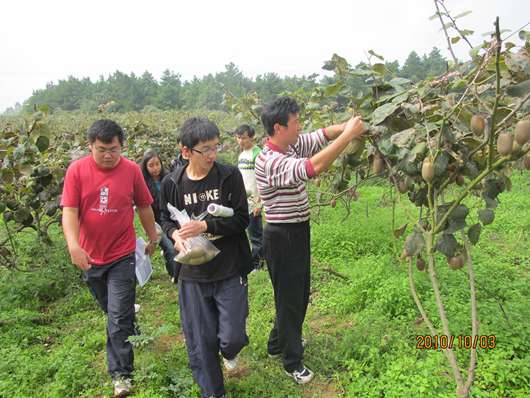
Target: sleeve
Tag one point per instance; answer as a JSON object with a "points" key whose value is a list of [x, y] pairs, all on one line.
{"points": [[286, 171], [310, 143], [255, 153], [142, 196], [71, 196], [168, 191], [236, 224]]}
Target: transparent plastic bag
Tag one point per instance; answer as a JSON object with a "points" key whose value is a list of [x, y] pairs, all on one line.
{"points": [[198, 250]]}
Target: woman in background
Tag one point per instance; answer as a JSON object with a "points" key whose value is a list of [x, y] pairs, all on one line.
{"points": [[153, 172]]}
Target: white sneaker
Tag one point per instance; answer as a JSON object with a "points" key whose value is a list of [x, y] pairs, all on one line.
{"points": [[136, 308], [301, 376], [122, 387], [230, 364]]}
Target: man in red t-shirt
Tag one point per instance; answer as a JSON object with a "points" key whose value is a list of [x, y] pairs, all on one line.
{"points": [[98, 223]]}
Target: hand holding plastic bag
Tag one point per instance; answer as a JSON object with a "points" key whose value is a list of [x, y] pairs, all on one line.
{"points": [[198, 250]]}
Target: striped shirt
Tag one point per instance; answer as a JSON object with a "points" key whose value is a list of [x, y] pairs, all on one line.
{"points": [[281, 178]]}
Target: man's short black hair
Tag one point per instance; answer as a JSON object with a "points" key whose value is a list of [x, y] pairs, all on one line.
{"points": [[196, 130], [245, 128], [278, 112], [105, 130]]}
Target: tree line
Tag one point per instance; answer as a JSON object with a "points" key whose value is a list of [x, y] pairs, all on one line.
{"points": [[121, 92]]}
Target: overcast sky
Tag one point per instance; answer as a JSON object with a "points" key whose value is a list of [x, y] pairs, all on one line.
{"points": [[43, 41]]}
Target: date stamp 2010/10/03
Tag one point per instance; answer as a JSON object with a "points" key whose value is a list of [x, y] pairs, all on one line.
{"points": [[428, 342]]}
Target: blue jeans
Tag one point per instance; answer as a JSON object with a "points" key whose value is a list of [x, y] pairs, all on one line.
{"points": [[172, 267], [255, 234]]}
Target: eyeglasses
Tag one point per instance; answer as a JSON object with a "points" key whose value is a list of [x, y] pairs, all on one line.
{"points": [[207, 151]]}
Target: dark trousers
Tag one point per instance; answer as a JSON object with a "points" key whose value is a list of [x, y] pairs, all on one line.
{"points": [[114, 287], [172, 267], [213, 317], [255, 234], [287, 252]]}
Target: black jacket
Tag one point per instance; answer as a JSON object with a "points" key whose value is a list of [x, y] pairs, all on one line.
{"points": [[234, 242], [156, 197]]}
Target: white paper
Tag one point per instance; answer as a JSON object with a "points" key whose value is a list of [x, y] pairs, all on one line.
{"points": [[220, 211], [143, 263]]}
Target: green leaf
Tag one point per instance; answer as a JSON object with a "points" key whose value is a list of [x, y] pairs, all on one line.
{"points": [[519, 90], [380, 68], [333, 89], [400, 99], [42, 143], [455, 39], [414, 243], [434, 16], [403, 138], [462, 14], [385, 146], [399, 81], [440, 164], [400, 231], [459, 213], [381, 113], [23, 215], [7, 175], [447, 245], [372, 52], [490, 202], [473, 233], [44, 108], [486, 216], [524, 35]]}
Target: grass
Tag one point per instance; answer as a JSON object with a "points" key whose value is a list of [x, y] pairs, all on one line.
{"points": [[361, 325]]}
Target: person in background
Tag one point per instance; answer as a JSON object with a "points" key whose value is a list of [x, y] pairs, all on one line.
{"points": [[213, 296], [245, 162], [153, 172], [99, 193], [288, 160], [179, 160]]}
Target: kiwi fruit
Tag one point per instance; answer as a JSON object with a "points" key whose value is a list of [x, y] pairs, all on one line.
{"points": [[477, 125], [378, 164], [402, 186], [427, 170], [457, 262], [522, 132], [420, 264], [504, 144], [355, 146], [516, 147], [526, 161]]}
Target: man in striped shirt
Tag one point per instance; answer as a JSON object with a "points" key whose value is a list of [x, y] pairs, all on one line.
{"points": [[288, 160]]}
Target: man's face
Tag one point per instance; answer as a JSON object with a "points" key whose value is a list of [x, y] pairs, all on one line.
{"points": [[106, 156], [203, 154], [290, 132], [244, 141]]}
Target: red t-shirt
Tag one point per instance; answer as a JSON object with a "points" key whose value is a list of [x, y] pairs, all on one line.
{"points": [[105, 200]]}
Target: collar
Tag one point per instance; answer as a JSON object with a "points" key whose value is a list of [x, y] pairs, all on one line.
{"points": [[274, 147]]}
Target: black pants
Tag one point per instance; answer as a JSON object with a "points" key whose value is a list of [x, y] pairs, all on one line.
{"points": [[287, 252], [114, 287], [255, 234], [213, 316]]}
